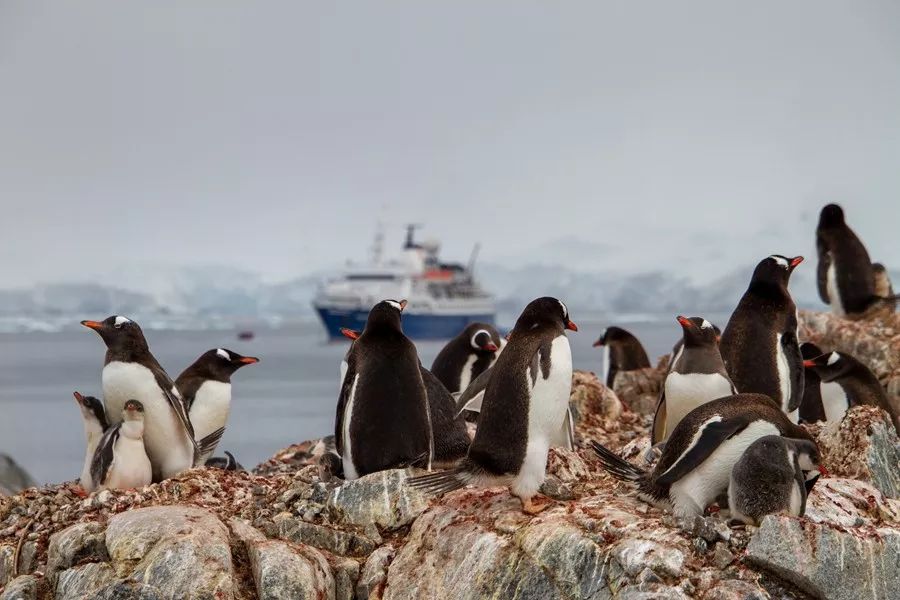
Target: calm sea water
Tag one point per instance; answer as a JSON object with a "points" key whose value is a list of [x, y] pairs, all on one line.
{"points": [[290, 396]]}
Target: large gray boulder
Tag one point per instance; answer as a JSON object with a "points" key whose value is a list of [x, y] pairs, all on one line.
{"points": [[13, 478], [380, 498]]}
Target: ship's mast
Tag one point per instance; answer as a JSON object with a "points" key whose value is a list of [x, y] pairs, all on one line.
{"points": [[378, 244]]}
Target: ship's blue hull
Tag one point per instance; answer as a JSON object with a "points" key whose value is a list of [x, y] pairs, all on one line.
{"points": [[419, 327]]}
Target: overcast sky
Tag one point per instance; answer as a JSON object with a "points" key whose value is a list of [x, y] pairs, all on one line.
{"points": [[272, 135]]}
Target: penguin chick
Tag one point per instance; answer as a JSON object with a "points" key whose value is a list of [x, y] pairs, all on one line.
{"points": [[120, 460], [95, 424], [770, 478]]}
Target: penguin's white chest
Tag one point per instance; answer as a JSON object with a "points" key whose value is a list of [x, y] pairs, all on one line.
{"points": [[130, 467], [834, 401], [93, 435], [834, 292], [465, 376], [123, 381], [350, 471], [212, 404], [687, 391], [783, 368]]}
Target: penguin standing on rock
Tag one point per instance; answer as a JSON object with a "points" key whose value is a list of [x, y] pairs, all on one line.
{"points": [[466, 356], [811, 410], [771, 478], [205, 388], [95, 424], [120, 460], [131, 372], [523, 409], [696, 463], [759, 344], [846, 382], [383, 419], [622, 352], [697, 375]]}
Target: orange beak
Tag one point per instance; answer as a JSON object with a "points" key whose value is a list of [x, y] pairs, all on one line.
{"points": [[350, 334], [249, 360], [796, 261], [823, 471], [403, 304], [78, 397], [809, 363], [685, 322], [95, 325], [572, 326], [490, 347]]}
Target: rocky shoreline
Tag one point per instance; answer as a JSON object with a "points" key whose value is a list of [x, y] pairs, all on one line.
{"points": [[279, 532]]}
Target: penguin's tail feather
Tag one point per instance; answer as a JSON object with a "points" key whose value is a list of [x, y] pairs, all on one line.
{"points": [[207, 444], [617, 466], [443, 481]]}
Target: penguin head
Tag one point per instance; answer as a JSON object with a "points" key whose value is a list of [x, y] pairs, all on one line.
{"points": [[612, 335], [698, 331], [224, 362], [118, 332], [133, 411], [831, 215], [91, 409], [809, 350], [546, 310], [386, 314], [828, 366], [808, 458], [483, 338], [774, 270]]}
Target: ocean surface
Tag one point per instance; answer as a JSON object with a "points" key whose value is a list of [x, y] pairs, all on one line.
{"points": [[290, 396]]}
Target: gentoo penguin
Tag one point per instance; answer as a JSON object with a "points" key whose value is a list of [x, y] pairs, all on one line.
{"points": [[697, 375], [678, 348], [847, 382], [622, 352], [95, 424], [524, 406], [205, 389], [696, 462], [226, 463], [451, 438], [466, 356], [811, 410], [846, 280], [382, 419], [120, 460], [132, 373], [883, 286], [771, 478], [760, 345]]}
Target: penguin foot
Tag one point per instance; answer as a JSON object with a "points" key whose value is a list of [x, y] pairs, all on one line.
{"points": [[529, 506]]}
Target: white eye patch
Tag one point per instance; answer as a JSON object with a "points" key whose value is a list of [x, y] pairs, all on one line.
{"points": [[395, 304], [565, 310], [122, 320], [781, 261], [833, 358], [475, 335], [706, 325], [223, 353]]}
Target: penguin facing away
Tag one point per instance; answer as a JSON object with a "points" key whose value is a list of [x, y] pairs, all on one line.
{"points": [[120, 460], [770, 478], [524, 406], [624, 352], [846, 382], [845, 278], [205, 388], [697, 375], [382, 419], [883, 286], [451, 438], [696, 462], [759, 345], [466, 356], [811, 409], [95, 424]]}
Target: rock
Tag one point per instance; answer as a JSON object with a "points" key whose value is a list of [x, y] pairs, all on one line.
{"points": [[639, 389], [374, 574], [6, 564], [335, 541], [734, 589], [129, 590], [380, 498], [827, 562], [722, 556], [176, 549], [13, 478], [346, 573], [863, 445], [79, 543], [591, 398], [24, 587], [283, 571], [850, 503], [84, 581], [635, 554]]}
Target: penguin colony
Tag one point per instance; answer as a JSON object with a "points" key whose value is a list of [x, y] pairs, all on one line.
{"points": [[726, 423]]}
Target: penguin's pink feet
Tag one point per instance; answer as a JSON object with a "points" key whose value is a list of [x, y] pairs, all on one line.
{"points": [[529, 506]]}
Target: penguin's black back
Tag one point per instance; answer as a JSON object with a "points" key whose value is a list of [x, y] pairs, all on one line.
{"points": [[625, 353], [502, 436], [811, 408], [838, 244], [451, 438], [863, 388], [449, 362], [389, 426]]}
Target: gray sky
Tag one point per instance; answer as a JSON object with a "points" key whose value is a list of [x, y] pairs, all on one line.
{"points": [[271, 135]]}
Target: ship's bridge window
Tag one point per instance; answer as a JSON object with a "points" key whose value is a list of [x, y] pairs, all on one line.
{"points": [[372, 277]]}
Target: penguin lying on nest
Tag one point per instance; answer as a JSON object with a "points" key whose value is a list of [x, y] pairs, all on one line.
{"points": [[524, 406], [696, 463]]}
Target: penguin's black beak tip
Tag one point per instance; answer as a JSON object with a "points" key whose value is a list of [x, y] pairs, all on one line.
{"points": [[78, 397]]}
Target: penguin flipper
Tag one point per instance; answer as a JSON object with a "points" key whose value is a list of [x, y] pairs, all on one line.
{"points": [[711, 435], [209, 443], [822, 269], [180, 409], [474, 392], [103, 455], [565, 438], [791, 348], [658, 431]]}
